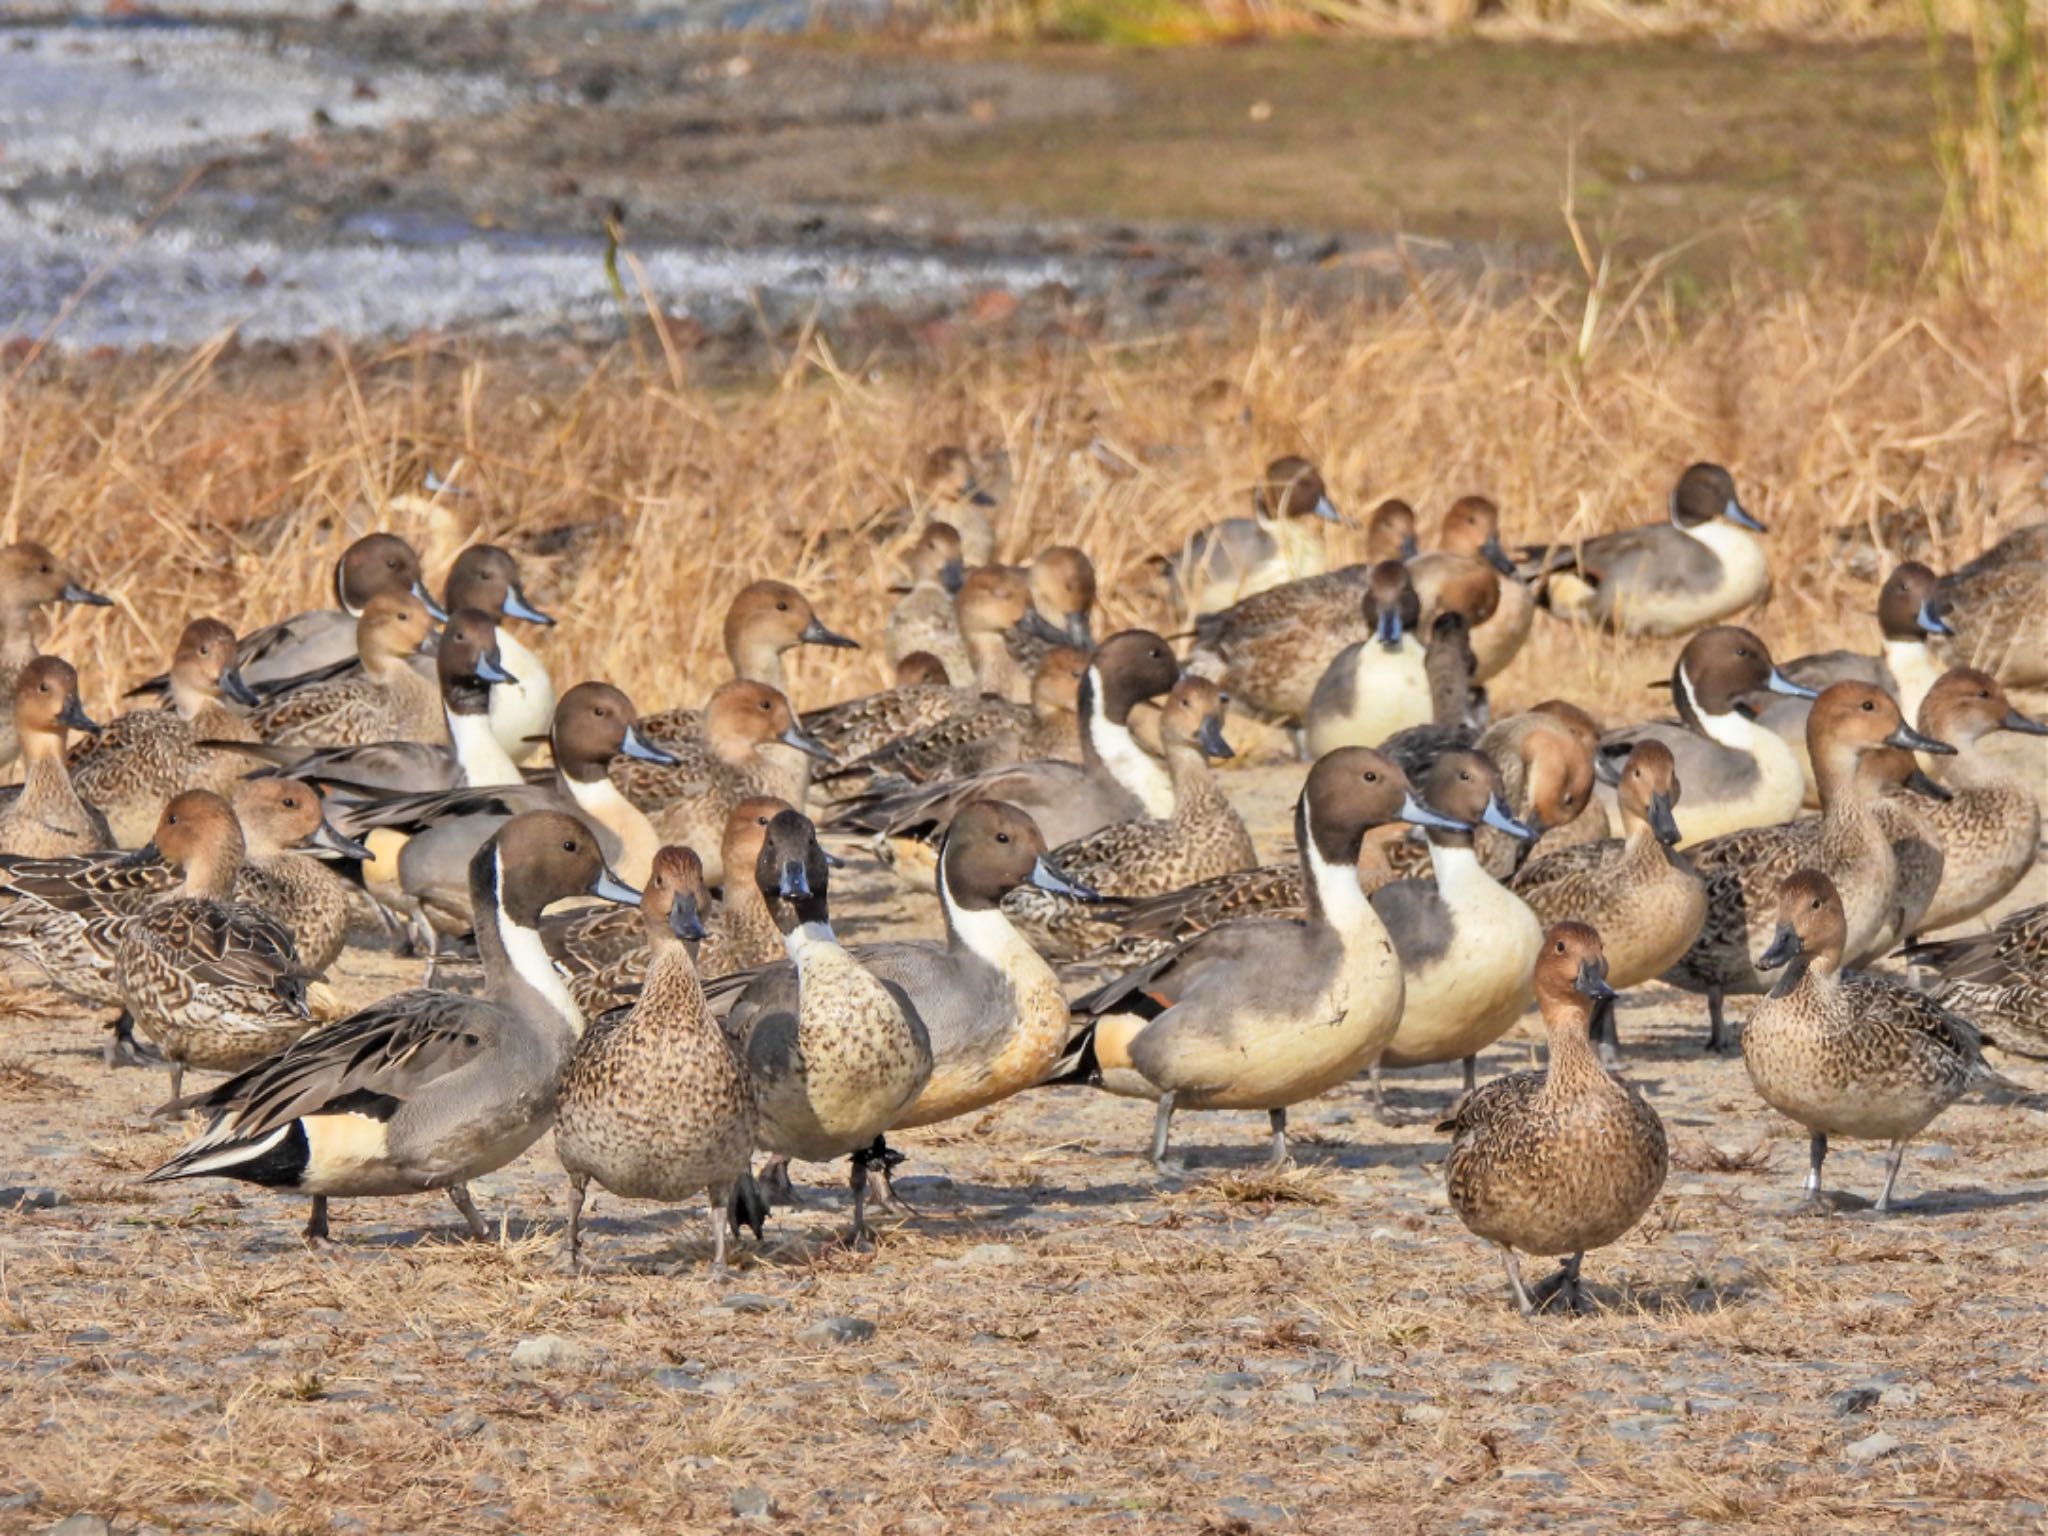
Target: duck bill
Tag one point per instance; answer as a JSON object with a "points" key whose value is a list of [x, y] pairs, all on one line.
{"points": [[1410, 547], [1080, 633], [434, 610], [490, 668], [952, 576], [815, 633], [1501, 819], [328, 838], [1662, 821], [1783, 950], [796, 736], [1495, 556], [73, 714], [2026, 725], [1735, 514], [236, 689], [794, 883], [609, 887], [1933, 789], [1039, 627], [1386, 628], [1778, 682], [1592, 981], [683, 919], [1326, 509], [517, 607], [72, 592], [1211, 740], [1046, 876], [1917, 741], [1416, 813], [642, 750], [1928, 622]]}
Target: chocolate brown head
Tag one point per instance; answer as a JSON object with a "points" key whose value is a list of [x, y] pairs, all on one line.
{"points": [[594, 723], [1292, 487], [1571, 971], [772, 617], [537, 859], [31, 576], [1192, 718], [394, 627], [1472, 528], [1465, 786], [920, 669], [1718, 666], [1705, 492], [1648, 791], [374, 565], [791, 871], [1965, 705], [1907, 608], [1390, 532], [991, 849], [936, 556], [486, 578], [1062, 595], [1812, 927], [1349, 792], [1849, 720], [1056, 686], [1129, 666], [46, 705], [1391, 607], [742, 716], [277, 814], [675, 898], [992, 599], [204, 667], [468, 661]]}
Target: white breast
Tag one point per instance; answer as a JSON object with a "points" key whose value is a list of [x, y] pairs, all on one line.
{"points": [[525, 708], [479, 753], [1130, 764]]}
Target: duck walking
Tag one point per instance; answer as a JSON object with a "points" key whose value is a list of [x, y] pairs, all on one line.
{"points": [[1559, 1162]]}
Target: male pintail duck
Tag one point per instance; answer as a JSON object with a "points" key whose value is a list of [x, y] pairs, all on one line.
{"points": [[387, 700], [1736, 772], [655, 1105], [1990, 825], [1240, 557], [424, 1090], [485, 579], [1995, 605], [325, 638], [1999, 979], [211, 982], [923, 620], [1465, 941], [1643, 897], [1698, 567], [1203, 837], [1847, 1053], [1909, 621], [1471, 531], [144, 757], [837, 1065], [30, 577], [751, 744], [1263, 1013], [286, 830], [1376, 686], [45, 818], [1115, 781], [1558, 1162], [1850, 723]]}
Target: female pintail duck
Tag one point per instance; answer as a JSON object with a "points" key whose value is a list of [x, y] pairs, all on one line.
{"points": [[1203, 837], [655, 1105], [1999, 979], [766, 620], [1909, 620], [924, 620], [1559, 1162], [211, 982], [1850, 724], [424, 1090], [1995, 605], [387, 700], [1902, 801], [1272, 650], [1643, 897], [1374, 687], [751, 745], [837, 1065], [144, 757], [1115, 781], [1465, 941], [30, 578], [485, 578], [1471, 531], [286, 830], [1062, 582], [1736, 772], [312, 642], [1703, 564], [965, 493], [1240, 557], [1847, 1053], [46, 818], [1264, 1013], [1990, 825], [920, 669]]}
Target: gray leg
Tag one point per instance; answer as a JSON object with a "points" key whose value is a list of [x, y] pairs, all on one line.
{"points": [[1522, 1301], [1471, 1073], [122, 1049], [1298, 734], [479, 1229], [570, 1255], [1718, 1041], [1891, 1176], [721, 1198], [316, 1223], [1815, 1203], [1278, 1157], [1162, 1125]]}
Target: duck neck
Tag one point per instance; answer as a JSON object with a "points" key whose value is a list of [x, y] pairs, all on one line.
{"points": [[600, 800], [1457, 866], [1914, 669], [518, 971], [1331, 890], [986, 933], [1196, 796], [210, 874], [1729, 728], [46, 779], [190, 698], [1573, 1060], [479, 755], [995, 669], [757, 660], [810, 936], [671, 990], [745, 919], [1974, 768], [1110, 745], [1809, 975]]}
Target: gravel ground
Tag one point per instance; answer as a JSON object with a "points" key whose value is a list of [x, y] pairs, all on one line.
{"points": [[1059, 1341]]}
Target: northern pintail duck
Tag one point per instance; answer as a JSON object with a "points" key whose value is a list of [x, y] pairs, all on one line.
{"points": [[30, 578], [1203, 837], [1263, 1013], [764, 621], [1850, 723], [1902, 801], [656, 1105], [324, 638], [1240, 557], [924, 620], [1737, 773], [211, 982], [1375, 686], [1559, 1162], [1471, 531], [424, 1090], [1990, 826], [387, 700], [1115, 781], [1643, 897], [1995, 604], [1062, 583], [1271, 650], [1465, 941], [920, 669], [485, 579], [965, 493], [839, 1063], [751, 744], [1999, 979], [286, 830], [46, 818], [133, 768], [1847, 1053], [1702, 564]]}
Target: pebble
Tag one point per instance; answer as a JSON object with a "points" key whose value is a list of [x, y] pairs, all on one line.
{"points": [[81, 1525], [461, 1423], [838, 1330], [20, 1197], [1873, 1448], [1853, 1400], [748, 1302], [992, 1253], [549, 1352], [751, 1503]]}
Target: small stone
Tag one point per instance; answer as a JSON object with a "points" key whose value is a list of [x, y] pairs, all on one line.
{"points": [[549, 1352], [461, 1423], [81, 1525], [748, 1302], [1873, 1448], [19, 1197], [1298, 1392], [90, 1336], [1229, 1381], [992, 1253], [721, 1383], [484, 1485], [838, 1330], [669, 1379], [1901, 1396], [751, 1503], [1853, 1400]]}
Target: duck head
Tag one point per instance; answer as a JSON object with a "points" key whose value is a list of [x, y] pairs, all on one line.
{"points": [[1718, 667], [1391, 607], [594, 723], [1907, 608], [1062, 583], [1571, 971], [1192, 718], [1706, 492], [767, 618], [991, 849], [1849, 721], [1293, 487], [485, 577], [277, 814], [1472, 528], [1812, 926], [537, 859], [204, 668], [1130, 666], [1649, 790], [1390, 533], [936, 557], [741, 717], [31, 576], [1966, 705], [676, 897], [46, 706], [377, 564], [1465, 786]]}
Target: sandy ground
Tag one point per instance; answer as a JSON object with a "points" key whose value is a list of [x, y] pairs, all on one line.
{"points": [[1060, 1342]]}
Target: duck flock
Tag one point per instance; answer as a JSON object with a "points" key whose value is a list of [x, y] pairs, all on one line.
{"points": [[650, 895]]}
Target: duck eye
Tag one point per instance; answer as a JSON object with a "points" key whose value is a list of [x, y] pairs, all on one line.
{"points": [[782, 607], [291, 803], [569, 845], [767, 704], [1002, 837], [1869, 706], [1372, 776], [1816, 903], [1560, 946]]}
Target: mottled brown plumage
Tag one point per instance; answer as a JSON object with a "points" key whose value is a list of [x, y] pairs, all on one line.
{"points": [[1997, 979], [1990, 826], [30, 578], [387, 699], [281, 819], [45, 818]]}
